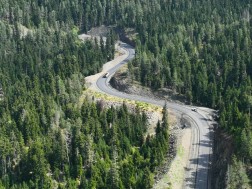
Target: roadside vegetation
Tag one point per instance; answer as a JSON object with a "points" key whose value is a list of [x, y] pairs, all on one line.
{"points": [[201, 49]]}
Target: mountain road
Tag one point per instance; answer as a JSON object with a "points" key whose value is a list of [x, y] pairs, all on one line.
{"points": [[197, 174]]}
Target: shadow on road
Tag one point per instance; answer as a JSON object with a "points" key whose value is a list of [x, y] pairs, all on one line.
{"points": [[202, 173], [200, 178]]}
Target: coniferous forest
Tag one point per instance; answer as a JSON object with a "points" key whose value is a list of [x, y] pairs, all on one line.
{"points": [[201, 49]]}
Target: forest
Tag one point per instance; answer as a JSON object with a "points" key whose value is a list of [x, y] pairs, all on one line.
{"points": [[201, 49], [46, 139]]}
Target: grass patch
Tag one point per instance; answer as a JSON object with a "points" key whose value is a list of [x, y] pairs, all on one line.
{"points": [[175, 176], [88, 93]]}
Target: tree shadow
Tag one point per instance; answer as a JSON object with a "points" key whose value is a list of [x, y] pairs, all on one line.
{"points": [[199, 179]]}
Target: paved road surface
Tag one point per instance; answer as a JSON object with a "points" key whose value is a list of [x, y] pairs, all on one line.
{"points": [[197, 171]]}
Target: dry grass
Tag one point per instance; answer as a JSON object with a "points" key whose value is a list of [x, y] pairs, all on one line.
{"points": [[113, 99], [174, 178]]}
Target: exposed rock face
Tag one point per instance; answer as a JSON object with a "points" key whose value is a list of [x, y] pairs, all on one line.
{"points": [[119, 82], [122, 82]]}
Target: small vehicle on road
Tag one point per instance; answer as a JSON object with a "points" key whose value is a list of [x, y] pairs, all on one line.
{"points": [[194, 109], [184, 126], [106, 75]]}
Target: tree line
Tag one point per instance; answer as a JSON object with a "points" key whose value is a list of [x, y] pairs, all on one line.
{"points": [[201, 49], [46, 140]]}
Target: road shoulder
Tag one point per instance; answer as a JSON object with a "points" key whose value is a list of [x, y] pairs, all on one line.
{"points": [[174, 178]]}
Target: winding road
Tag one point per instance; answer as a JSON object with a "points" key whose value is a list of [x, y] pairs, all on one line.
{"points": [[198, 170]]}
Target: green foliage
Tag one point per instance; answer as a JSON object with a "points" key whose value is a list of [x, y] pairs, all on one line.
{"points": [[201, 49], [81, 146], [236, 175], [44, 137]]}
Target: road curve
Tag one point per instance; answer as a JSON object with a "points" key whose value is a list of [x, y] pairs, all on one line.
{"points": [[197, 171]]}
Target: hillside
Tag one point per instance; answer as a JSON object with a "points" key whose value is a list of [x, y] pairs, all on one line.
{"points": [[198, 50]]}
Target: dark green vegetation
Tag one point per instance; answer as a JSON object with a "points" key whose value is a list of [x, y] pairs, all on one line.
{"points": [[46, 139], [201, 49]]}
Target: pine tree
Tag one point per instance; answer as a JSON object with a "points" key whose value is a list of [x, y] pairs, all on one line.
{"points": [[114, 177], [236, 175]]}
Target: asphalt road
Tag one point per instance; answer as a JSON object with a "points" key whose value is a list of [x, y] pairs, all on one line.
{"points": [[197, 171]]}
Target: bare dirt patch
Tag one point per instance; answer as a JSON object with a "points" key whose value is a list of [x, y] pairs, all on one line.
{"points": [[99, 31], [85, 37], [24, 30]]}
